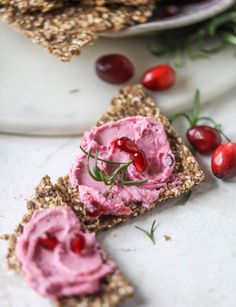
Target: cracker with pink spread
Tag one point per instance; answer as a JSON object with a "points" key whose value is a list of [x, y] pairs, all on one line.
{"points": [[58, 258], [63, 262], [146, 135], [170, 170]]}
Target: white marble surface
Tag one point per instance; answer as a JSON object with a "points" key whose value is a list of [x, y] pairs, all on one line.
{"points": [[197, 268], [35, 97]]}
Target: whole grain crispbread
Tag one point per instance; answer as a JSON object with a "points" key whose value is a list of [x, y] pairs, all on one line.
{"points": [[107, 2], [130, 101], [114, 288], [65, 30], [48, 5], [133, 101]]}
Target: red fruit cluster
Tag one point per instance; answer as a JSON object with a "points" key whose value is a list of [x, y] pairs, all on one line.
{"points": [[138, 156], [208, 140], [117, 69]]}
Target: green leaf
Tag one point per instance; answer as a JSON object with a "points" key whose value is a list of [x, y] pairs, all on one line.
{"points": [[149, 234], [180, 114], [131, 182], [96, 169], [103, 160], [73, 91], [196, 108], [229, 38], [91, 174], [184, 199]]}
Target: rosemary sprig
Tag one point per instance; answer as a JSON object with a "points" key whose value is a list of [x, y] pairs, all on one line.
{"points": [[150, 233], [197, 41], [103, 160], [119, 174], [194, 118]]}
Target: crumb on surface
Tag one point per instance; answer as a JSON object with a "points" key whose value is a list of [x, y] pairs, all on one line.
{"points": [[167, 238]]}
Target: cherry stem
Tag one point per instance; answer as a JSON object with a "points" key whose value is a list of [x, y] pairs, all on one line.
{"points": [[217, 126], [194, 118]]}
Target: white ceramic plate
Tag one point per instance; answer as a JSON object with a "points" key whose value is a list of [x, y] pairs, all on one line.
{"points": [[35, 86], [190, 14]]}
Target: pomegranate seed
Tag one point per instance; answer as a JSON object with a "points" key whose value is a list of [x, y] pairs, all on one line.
{"points": [[204, 139], [127, 145], [93, 210], [114, 68], [223, 163], [160, 78], [140, 161], [78, 243], [170, 10], [48, 242]]}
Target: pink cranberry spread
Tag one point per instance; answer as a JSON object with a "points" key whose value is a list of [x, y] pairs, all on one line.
{"points": [[117, 141], [58, 259]]}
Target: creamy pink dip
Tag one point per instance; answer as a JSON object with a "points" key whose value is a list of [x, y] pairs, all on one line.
{"points": [[60, 272], [150, 137]]}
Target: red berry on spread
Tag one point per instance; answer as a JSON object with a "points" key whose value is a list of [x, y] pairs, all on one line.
{"points": [[204, 139], [48, 242], [114, 68], [127, 145], [140, 161], [93, 210], [78, 243], [223, 163], [160, 78]]}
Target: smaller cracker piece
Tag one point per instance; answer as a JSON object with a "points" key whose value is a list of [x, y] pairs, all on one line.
{"points": [[114, 289], [65, 31], [29, 6]]}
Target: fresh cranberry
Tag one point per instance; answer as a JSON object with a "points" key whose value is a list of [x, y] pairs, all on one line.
{"points": [[160, 78], [114, 68], [170, 10], [127, 145], [223, 163], [140, 161], [204, 139], [78, 243], [93, 210], [48, 242]]}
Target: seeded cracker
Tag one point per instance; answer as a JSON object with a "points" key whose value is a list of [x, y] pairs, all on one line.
{"points": [[48, 5], [64, 31], [114, 288], [32, 5], [106, 2]]}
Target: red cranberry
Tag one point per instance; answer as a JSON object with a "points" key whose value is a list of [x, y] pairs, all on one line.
{"points": [[170, 10], [204, 139], [140, 161], [114, 68], [78, 243], [93, 210], [48, 242], [160, 78], [223, 163], [127, 145]]}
